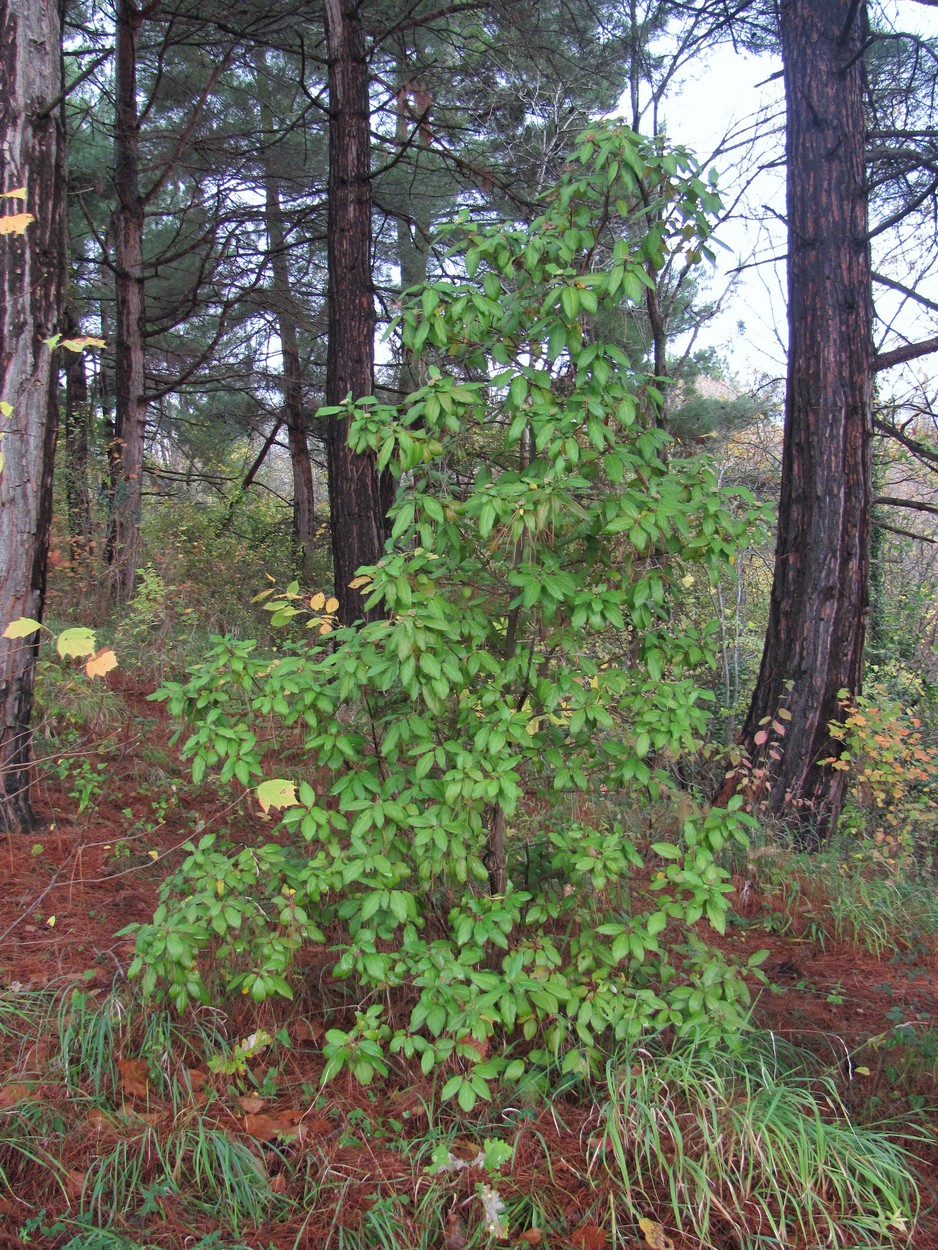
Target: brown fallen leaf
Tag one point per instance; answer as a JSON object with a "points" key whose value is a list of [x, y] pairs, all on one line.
{"points": [[466, 1150], [252, 1104], [305, 1030], [454, 1233], [589, 1237], [74, 1183], [98, 1121], [270, 1127], [198, 1079], [135, 1077], [533, 1237], [13, 1093]]}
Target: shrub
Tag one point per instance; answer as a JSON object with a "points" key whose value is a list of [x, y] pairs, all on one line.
{"points": [[530, 653]]}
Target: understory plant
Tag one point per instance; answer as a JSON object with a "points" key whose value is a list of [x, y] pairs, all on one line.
{"points": [[532, 659]]}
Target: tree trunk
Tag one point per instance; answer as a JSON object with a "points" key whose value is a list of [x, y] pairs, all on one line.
{"points": [[129, 329], [33, 277], [304, 516], [77, 430], [817, 618], [355, 497]]}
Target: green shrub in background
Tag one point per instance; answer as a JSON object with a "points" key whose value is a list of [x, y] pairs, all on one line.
{"points": [[530, 655]]}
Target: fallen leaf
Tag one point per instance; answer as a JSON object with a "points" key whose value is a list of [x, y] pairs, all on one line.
{"points": [[278, 1183], [13, 1093], [135, 1077], [74, 1183], [589, 1237], [252, 1104], [466, 1150], [533, 1237], [98, 1120], [454, 1234], [270, 1127], [655, 1235], [308, 1031]]}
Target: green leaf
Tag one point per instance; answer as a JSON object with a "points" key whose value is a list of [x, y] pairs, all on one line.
{"points": [[78, 641]]}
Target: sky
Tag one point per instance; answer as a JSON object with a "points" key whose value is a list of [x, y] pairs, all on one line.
{"points": [[723, 93]]}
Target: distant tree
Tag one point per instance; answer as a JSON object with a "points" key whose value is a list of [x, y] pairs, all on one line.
{"points": [[32, 297]]}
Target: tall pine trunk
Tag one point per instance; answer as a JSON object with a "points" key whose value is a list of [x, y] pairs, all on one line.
{"points": [[817, 618], [284, 306], [356, 505], [33, 278], [129, 324]]}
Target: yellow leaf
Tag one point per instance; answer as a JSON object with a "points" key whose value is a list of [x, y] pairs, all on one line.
{"points": [[318, 602], [325, 628], [153, 854], [15, 223], [18, 194], [655, 1235], [5, 408], [75, 642], [276, 793], [101, 662], [21, 628], [332, 605], [357, 582], [51, 922], [78, 345]]}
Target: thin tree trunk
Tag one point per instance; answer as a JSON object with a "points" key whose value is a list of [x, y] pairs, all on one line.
{"points": [[817, 619], [33, 277], [77, 431], [129, 330], [355, 497], [304, 516]]}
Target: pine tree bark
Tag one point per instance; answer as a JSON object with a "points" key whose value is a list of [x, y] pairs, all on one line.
{"points": [[129, 321], [817, 619], [32, 278], [356, 505]]}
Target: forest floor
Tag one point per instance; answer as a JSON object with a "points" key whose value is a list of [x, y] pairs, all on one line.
{"points": [[871, 1018]]}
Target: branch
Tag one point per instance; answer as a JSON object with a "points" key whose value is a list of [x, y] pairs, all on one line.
{"points": [[914, 505], [911, 351], [914, 445], [904, 290]]}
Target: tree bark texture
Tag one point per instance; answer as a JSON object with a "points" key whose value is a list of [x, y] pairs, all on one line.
{"points": [[129, 324], [33, 277], [817, 619], [355, 497]]}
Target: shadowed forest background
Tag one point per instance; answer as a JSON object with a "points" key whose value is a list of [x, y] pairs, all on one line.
{"points": [[467, 750]]}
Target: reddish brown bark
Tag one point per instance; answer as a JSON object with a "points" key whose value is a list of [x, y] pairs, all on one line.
{"points": [[32, 296], [356, 505], [817, 620]]}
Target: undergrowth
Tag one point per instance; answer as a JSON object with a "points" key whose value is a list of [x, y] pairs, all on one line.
{"points": [[120, 1128]]}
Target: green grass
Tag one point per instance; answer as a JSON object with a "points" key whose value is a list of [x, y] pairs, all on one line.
{"points": [[747, 1143]]}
